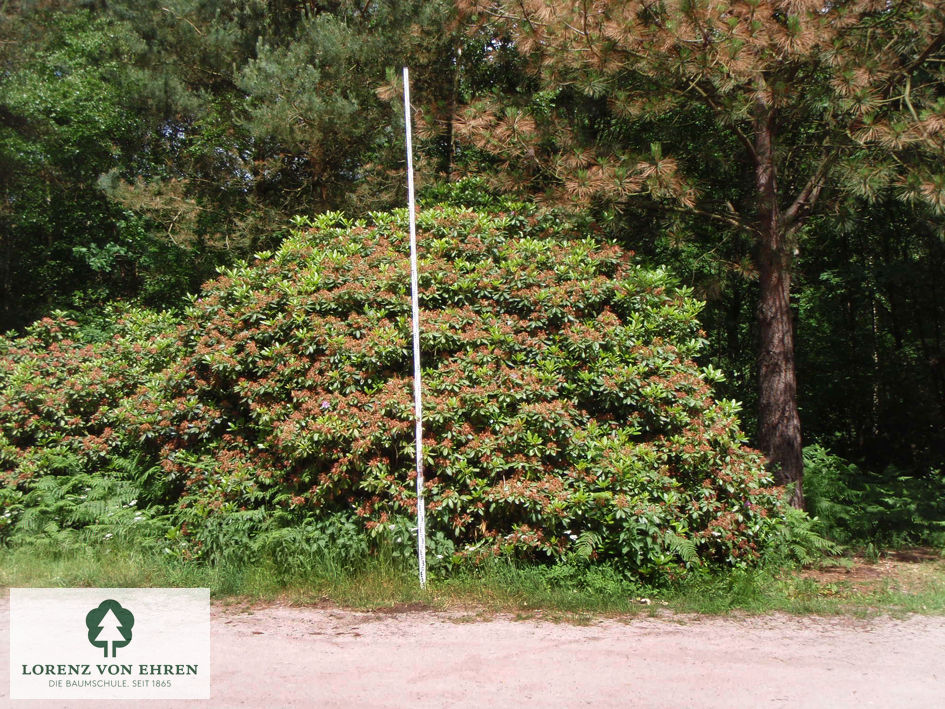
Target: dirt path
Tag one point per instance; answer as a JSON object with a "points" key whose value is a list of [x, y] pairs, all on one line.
{"points": [[305, 657]]}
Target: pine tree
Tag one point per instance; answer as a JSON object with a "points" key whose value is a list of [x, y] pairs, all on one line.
{"points": [[142, 142], [806, 102], [272, 109]]}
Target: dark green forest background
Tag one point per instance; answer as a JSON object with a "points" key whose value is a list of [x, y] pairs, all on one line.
{"points": [[143, 144]]}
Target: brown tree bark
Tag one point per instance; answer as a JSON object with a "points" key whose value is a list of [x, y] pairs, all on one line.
{"points": [[779, 422]]}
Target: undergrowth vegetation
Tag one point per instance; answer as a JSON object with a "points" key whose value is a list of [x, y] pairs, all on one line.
{"points": [[564, 591], [861, 507], [565, 417]]}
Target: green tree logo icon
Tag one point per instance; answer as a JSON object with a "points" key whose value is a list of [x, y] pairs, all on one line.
{"points": [[109, 624]]}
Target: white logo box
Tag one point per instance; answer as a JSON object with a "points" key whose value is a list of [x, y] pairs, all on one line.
{"points": [[55, 655]]}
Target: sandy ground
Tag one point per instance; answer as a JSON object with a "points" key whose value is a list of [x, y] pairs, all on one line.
{"points": [[312, 657]]}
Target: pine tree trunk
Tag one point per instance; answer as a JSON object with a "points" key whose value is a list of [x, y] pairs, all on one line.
{"points": [[778, 420]]}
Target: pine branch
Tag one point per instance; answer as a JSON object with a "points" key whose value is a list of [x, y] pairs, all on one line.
{"points": [[492, 11], [223, 78], [734, 219], [181, 17], [933, 47], [749, 146], [908, 70], [805, 201]]}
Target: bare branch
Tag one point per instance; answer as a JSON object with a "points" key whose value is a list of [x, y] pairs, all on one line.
{"points": [[807, 198]]}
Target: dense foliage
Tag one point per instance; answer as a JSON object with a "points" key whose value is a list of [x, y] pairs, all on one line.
{"points": [[62, 460], [145, 143], [892, 507], [563, 412], [752, 115], [69, 114]]}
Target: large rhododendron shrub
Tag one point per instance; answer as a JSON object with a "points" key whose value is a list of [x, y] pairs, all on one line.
{"points": [[564, 415], [563, 411]]}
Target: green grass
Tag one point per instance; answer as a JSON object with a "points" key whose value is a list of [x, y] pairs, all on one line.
{"points": [[552, 592]]}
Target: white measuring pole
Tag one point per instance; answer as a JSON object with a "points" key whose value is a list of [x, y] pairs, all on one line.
{"points": [[415, 305]]}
